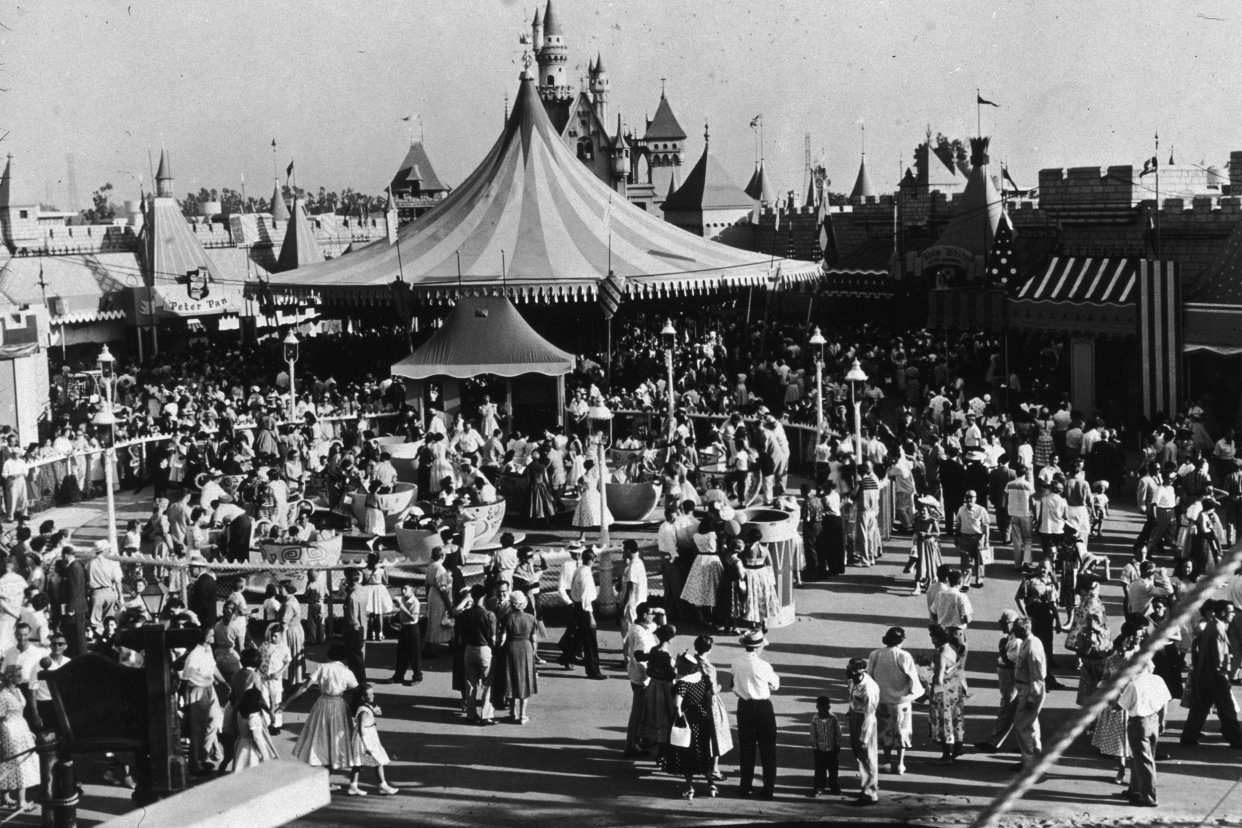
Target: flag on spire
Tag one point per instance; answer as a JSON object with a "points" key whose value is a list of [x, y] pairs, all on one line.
{"points": [[979, 99], [289, 170]]}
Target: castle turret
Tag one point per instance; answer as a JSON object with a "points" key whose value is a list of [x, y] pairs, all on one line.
{"points": [[536, 31], [620, 159], [19, 209], [600, 87], [553, 58], [163, 177], [280, 210]]}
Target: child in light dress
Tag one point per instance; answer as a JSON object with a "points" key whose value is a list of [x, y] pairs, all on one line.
{"points": [[366, 743]]}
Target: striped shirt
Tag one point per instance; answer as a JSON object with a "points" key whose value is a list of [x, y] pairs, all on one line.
{"points": [[826, 733]]}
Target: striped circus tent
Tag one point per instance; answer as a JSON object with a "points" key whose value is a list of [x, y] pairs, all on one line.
{"points": [[533, 222]]}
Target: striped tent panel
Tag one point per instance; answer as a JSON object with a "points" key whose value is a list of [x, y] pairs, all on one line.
{"points": [[1160, 316], [1083, 279], [966, 310]]}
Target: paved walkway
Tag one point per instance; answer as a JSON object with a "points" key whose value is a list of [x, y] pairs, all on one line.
{"points": [[566, 767]]}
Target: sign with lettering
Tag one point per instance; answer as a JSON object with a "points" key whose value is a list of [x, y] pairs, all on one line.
{"points": [[167, 301]]}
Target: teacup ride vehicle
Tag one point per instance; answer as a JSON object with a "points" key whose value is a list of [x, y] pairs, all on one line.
{"points": [[394, 504], [479, 526], [314, 554], [634, 503]]}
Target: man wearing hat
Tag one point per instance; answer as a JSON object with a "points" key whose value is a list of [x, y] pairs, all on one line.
{"points": [[1030, 669], [202, 595], [569, 641], [1007, 652], [864, 730], [754, 681]]}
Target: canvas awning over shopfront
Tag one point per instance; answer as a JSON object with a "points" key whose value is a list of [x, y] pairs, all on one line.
{"points": [[1079, 295], [966, 310], [485, 335], [533, 222]]}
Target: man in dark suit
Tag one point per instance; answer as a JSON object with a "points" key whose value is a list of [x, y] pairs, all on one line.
{"points": [[73, 601], [202, 597]]}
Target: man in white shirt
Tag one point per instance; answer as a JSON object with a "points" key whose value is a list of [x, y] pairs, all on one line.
{"points": [[26, 656], [666, 542], [201, 675], [1029, 673], [1052, 515], [1144, 699], [973, 524], [952, 608], [103, 588], [1164, 505], [754, 681], [638, 642], [42, 694], [1018, 493], [582, 595], [569, 641], [633, 585]]}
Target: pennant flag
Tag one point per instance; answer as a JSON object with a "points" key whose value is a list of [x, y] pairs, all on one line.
{"points": [[828, 239], [981, 102], [402, 300], [390, 218], [756, 121], [289, 170], [611, 290], [1151, 165], [1012, 183], [273, 143]]}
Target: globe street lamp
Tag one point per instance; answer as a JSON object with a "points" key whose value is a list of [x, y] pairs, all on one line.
{"points": [[817, 339], [291, 356], [105, 417], [669, 336], [599, 421], [856, 376]]}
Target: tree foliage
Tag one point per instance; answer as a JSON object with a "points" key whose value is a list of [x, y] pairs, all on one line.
{"points": [[102, 209]]}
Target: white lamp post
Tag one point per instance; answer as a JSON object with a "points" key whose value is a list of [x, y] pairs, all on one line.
{"points": [[817, 339], [669, 336], [599, 421], [291, 356], [856, 376], [105, 417]]}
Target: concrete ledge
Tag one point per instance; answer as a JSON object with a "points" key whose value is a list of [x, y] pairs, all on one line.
{"points": [[272, 794]]}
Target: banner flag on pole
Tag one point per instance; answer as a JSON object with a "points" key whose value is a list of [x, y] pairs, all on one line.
{"points": [[611, 289], [390, 218]]}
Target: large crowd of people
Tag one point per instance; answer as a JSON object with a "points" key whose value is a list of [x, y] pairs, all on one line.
{"points": [[953, 444]]}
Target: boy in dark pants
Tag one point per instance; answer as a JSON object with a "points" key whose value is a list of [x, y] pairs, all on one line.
{"points": [[825, 745]]}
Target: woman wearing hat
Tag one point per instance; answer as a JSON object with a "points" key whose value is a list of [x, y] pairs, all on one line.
{"points": [[691, 700], [925, 556], [897, 675]]}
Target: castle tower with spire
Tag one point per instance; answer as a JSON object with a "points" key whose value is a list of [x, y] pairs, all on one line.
{"points": [[599, 85], [553, 58], [164, 177]]}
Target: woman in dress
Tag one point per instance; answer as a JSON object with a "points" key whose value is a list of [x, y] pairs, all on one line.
{"points": [[273, 662], [290, 618], [897, 675], [439, 601], [659, 709], [722, 736], [947, 715], [543, 503], [704, 577], [577, 462], [556, 470], [379, 601], [228, 640], [926, 552], [1089, 637], [691, 708], [521, 680], [441, 467], [326, 739], [372, 515], [12, 598], [366, 743], [588, 515], [488, 420], [731, 591], [253, 745], [1110, 728], [1043, 441], [762, 601], [21, 771]]}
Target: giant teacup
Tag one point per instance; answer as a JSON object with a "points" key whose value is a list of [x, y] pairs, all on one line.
{"points": [[416, 544], [394, 504], [778, 531], [404, 460], [633, 502], [486, 519], [321, 553]]}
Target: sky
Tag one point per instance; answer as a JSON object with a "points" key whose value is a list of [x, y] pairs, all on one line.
{"points": [[1079, 84]]}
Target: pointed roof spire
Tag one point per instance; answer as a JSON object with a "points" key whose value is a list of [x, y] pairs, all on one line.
{"points": [[538, 21], [13, 192], [708, 186], [973, 226], [862, 184], [812, 195], [591, 67], [164, 172], [664, 126], [551, 25], [299, 247], [599, 63], [280, 210], [619, 141], [759, 189]]}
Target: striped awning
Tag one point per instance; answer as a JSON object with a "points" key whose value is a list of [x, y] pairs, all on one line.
{"points": [[966, 310], [1076, 279], [83, 317]]}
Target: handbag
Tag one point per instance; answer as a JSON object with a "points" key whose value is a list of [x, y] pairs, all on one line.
{"points": [[679, 736]]}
